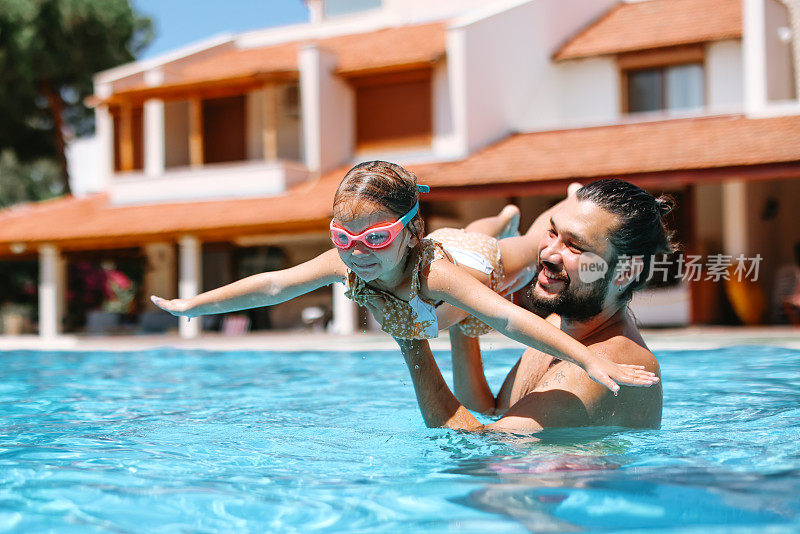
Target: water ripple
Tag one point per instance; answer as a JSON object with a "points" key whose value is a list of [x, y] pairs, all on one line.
{"points": [[246, 441]]}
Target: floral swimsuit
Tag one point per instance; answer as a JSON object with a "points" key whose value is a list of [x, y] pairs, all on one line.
{"points": [[416, 318]]}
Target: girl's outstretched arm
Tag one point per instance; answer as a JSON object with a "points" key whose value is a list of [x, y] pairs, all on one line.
{"points": [[449, 283], [263, 289]]}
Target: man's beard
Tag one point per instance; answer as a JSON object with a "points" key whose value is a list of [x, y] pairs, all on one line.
{"points": [[572, 303]]}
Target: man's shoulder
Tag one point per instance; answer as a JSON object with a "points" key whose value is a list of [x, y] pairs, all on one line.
{"points": [[623, 349]]}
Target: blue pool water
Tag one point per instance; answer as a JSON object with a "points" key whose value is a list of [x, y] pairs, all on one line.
{"points": [[181, 441]]}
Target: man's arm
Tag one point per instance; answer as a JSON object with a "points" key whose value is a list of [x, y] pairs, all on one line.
{"points": [[567, 397], [469, 380], [440, 408]]}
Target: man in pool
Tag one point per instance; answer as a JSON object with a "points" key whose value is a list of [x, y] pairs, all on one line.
{"points": [[596, 248]]}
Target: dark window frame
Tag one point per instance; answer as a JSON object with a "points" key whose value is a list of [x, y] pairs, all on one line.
{"points": [[660, 59]]}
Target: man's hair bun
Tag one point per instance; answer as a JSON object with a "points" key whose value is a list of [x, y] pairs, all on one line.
{"points": [[665, 205]]}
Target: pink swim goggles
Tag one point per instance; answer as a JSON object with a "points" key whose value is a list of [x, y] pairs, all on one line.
{"points": [[378, 236]]}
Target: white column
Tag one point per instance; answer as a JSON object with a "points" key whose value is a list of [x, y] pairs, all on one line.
{"points": [[457, 65], [755, 56], [311, 104], [734, 218], [49, 290], [189, 283], [328, 111], [61, 290], [104, 128], [316, 12], [794, 18], [154, 137], [345, 312]]}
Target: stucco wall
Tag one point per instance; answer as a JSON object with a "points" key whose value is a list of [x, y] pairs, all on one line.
{"points": [[724, 76], [501, 63], [445, 141], [589, 90], [328, 109], [780, 68], [427, 10], [86, 174]]}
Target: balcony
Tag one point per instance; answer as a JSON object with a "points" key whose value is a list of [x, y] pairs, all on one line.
{"points": [[211, 181]]}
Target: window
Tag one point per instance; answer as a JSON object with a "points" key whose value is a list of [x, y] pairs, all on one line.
{"points": [[335, 8], [224, 129], [675, 87], [670, 78], [393, 110], [128, 138]]}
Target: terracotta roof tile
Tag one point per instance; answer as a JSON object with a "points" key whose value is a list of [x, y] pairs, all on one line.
{"points": [[538, 158], [389, 47], [236, 62], [679, 144], [94, 218], [654, 24]]}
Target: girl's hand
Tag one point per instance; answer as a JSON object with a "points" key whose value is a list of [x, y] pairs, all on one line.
{"points": [[607, 373], [177, 307]]}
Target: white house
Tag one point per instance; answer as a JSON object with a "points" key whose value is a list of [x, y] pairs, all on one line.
{"points": [[222, 158]]}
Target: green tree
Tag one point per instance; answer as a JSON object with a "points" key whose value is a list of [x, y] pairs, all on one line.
{"points": [[49, 53], [38, 179]]}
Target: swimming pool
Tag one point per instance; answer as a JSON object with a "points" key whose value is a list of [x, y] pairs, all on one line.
{"points": [[188, 441]]}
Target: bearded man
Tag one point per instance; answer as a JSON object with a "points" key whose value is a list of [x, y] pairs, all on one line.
{"points": [[595, 250]]}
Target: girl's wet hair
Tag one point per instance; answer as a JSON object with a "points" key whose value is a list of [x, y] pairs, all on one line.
{"points": [[641, 230], [386, 184]]}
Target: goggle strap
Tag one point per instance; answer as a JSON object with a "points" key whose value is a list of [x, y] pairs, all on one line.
{"points": [[410, 215]]}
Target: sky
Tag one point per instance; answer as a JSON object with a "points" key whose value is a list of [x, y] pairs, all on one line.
{"points": [[182, 22]]}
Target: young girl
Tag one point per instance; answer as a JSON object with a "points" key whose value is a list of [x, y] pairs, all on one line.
{"points": [[381, 256]]}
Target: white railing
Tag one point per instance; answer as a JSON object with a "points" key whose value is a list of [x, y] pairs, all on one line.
{"points": [[211, 181]]}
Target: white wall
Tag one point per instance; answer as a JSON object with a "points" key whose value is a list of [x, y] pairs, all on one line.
{"points": [[337, 125], [393, 13], [589, 91], [86, 174], [421, 10], [328, 110], [501, 66], [724, 76], [445, 143], [780, 68]]}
